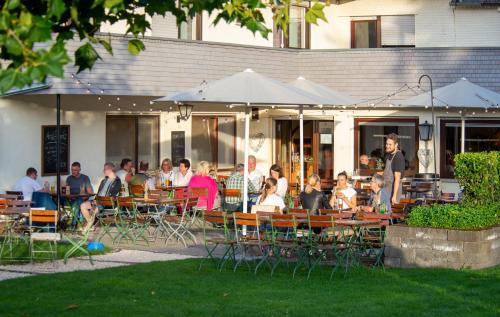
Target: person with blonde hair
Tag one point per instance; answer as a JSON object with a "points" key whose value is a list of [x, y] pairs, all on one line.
{"points": [[312, 198], [269, 196], [167, 172], [202, 179]]}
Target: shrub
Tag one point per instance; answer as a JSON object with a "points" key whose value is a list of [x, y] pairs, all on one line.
{"points": [[479, 176], [455, 216]]}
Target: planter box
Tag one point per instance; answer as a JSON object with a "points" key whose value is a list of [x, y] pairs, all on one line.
{"points": [[445, 248]]}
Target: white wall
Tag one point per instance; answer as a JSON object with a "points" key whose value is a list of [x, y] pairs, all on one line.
{"points": [[232, 33], [20, 135], [437, 24]]}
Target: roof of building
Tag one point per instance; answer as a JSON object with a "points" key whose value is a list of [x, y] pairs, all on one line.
{"points": [[169, 65], [483, 3]]}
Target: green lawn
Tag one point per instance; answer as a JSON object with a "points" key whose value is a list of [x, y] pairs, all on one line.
{"points": [[177, 288]]}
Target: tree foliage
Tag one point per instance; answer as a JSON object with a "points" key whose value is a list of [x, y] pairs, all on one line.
{"points": [[34, 33]]}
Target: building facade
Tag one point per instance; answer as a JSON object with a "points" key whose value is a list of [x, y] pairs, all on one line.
{"points": [[368, 50]]}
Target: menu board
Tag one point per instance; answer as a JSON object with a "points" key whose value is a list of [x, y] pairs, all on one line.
{"points": [[49, 150], [178, 146]]}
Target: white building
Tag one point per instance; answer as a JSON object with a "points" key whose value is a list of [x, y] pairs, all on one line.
{"points": [[401, 40]]}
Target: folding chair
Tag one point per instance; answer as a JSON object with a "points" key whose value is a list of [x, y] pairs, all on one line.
{"points": [[179, 226], [106, 218], [133, 221], [248, 236], [284, 239], [136, 190], [195, 210], [318, 243], [12, 227], [218, 219], [227, 193], [43, 228], [374, 235]]}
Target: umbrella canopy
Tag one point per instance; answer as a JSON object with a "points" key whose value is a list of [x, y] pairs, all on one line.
{"points": [[247, 87], [462, 94], [330, 96]]}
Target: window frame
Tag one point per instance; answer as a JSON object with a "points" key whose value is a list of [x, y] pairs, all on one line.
{"points": [[135, 157], [442, 140], [285, 42], [378, 31], [357, 121], [215, 154]]}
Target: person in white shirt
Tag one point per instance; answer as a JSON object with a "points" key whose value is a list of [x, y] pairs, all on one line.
{"points": [[183, 176], [276, 172], [166, 173], [254, 175], [343, 196], [269, 197], [125, 174], [28, 184]]}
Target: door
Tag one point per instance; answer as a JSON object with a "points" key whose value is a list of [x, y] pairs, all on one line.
{"points": [[318, 150]]}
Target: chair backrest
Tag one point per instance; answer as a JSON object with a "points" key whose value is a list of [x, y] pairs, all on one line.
{"points": [[407, 201], [18, 204], [157, 193], [126, 202], [398, 207], [137, 190], [448, 196], [198, 192], [215, 217], [341, 215], [105, 201], [3, 203], [320, 222], [43, 218], [263, 208], [383, 218], [283, 221], [231, 192], [245, 219], [298, 212], [15, 193], [222, 178], [9, 197], [326, 212]]}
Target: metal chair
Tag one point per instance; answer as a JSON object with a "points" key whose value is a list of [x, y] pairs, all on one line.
{"points": [[43, 228]]}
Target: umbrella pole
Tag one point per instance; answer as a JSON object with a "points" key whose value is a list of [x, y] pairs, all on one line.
{"points": [[58, 151], [245, 175], [301, 126], [462, 131]]}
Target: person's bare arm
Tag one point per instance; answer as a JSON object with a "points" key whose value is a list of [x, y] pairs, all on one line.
{"points": [[397, 178]]}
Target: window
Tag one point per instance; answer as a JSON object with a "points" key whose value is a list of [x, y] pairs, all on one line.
{"points": [[299, 31], [134, 137], [213, 139], [369, 139], [398, 30], [480, 135], [365, 33]]}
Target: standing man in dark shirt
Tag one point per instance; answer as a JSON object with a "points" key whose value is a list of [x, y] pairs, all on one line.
{"points": [[78, 183], [394, 168]]}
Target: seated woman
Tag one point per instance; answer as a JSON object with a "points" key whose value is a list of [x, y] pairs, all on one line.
{"points": [[276, 172], [202, 179], [312, 198], [269, 196], [343, 196]]}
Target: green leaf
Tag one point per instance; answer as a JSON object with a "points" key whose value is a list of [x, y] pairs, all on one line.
{"points": [[8, 78], [112, 3], [85, 57], [25, 18], [4, 20], [56, 8], [13, 46], [135, 46], [13, 4], [41, 32], [315, 12], [106, 45], [74, 14]]}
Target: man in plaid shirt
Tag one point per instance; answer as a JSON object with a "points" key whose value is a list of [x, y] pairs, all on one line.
{"points": [[235, 181]]}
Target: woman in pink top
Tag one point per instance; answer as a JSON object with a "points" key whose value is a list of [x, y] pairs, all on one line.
{"points": [[202, 180]]}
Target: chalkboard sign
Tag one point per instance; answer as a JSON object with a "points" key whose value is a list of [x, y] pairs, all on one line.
{"points": [[49, 157], [178, 147]]}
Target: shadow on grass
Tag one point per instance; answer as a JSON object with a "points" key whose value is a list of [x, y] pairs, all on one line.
{"points": [[177, 288]]}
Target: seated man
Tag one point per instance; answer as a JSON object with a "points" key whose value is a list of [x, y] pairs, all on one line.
{"points": [[364, 162], [141, 177], [236, 181], [110, 187], [78, 183], [379, 196], [28, 184]]}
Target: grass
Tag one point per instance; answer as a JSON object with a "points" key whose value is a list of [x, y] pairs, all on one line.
{"points": [[177, 288], [21, 253]]}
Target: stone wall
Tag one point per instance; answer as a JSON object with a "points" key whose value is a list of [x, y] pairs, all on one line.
{"points": [[428, 247]]}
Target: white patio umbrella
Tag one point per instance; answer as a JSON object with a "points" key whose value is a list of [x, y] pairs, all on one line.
{"points": [[246, 88], [331, 97], [461, 95]]}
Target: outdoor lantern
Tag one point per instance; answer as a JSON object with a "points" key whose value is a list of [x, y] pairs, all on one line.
{"points": [[185, 111], [425, 131]]}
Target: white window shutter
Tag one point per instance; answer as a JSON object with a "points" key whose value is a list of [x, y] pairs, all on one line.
{"points": [[398, 30]]}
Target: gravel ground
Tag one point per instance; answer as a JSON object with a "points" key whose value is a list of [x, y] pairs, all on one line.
{"points": [[113, 259]]}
